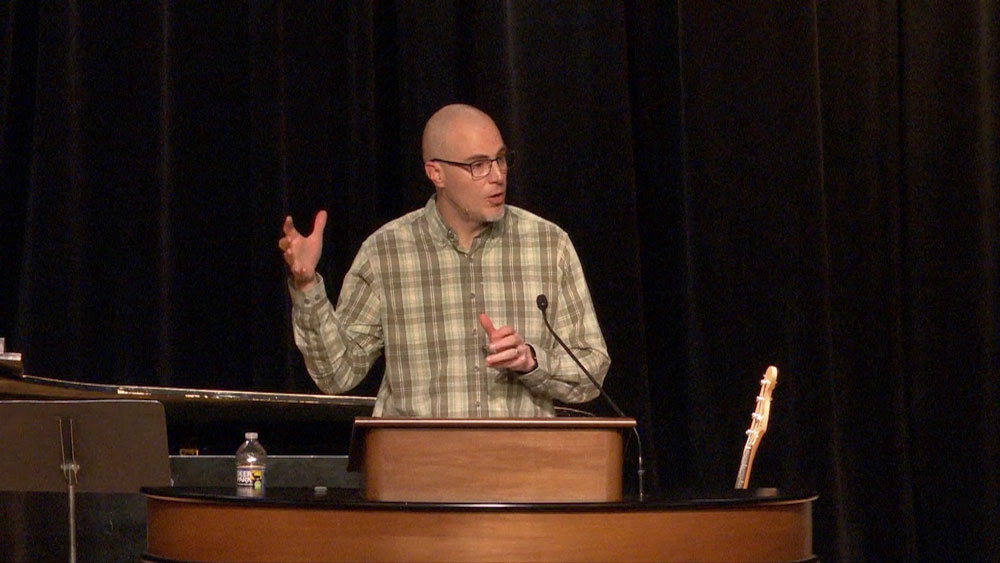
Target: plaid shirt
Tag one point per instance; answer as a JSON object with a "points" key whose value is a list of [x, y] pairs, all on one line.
{"points": [[415, 294]]}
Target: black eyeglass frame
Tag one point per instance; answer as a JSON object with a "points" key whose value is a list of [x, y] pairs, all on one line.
{"points": [[468, 165]]}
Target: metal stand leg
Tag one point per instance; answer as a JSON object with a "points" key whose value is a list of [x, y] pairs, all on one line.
{"points": [[71, 471]]}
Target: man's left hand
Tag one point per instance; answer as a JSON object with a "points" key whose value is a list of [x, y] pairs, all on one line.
{"points": [[507, 349]]}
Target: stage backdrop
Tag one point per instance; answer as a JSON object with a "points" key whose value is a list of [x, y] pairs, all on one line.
{"points": [[806, 184]]}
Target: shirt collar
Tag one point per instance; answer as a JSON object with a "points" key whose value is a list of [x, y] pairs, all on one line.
{"points": [[443, 234]]}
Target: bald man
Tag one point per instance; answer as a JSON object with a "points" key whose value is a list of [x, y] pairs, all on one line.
{"points": [[448, 294]]}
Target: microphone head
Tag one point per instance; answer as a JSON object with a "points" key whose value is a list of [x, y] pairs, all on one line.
{"points": [[542, 302]]}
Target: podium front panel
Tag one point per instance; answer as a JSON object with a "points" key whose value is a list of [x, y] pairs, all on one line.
{"points": [[491, 460]]}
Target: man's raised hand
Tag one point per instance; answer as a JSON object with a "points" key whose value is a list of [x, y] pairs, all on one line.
{"points": [[302, 253]]}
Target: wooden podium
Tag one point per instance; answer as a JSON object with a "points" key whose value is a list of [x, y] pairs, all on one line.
{"points": [[489, 460]]}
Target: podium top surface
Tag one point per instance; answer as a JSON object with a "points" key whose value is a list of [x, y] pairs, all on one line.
{"points": [[366, 423]]}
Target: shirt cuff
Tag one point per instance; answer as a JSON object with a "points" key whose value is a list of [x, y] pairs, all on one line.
{"points": [[311, 297], [536, 378]]}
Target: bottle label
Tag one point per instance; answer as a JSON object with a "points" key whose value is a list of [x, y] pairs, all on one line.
{"points": [[250, 477]]}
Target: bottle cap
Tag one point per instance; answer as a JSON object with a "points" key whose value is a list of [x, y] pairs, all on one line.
{"points": [[251, 435]]}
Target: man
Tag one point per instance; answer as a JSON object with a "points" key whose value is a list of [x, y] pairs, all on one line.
{"points": [[430, 289]]}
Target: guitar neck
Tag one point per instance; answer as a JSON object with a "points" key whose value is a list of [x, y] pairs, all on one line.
{"points": [[743, 477]]}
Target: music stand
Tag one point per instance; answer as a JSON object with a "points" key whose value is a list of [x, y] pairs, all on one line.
{"points": [[89, 446]]}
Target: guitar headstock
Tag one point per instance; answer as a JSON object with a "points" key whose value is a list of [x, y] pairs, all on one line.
{"points": [[758, 425], [763, 410]]}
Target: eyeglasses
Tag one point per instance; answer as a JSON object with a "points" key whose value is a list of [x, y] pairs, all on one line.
{"points": [[482, 167]]}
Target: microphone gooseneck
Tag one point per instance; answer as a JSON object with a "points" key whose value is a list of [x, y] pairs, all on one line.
{"points": [[543, 304]]}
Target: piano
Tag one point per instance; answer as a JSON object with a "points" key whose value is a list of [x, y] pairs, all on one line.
{"points": [[307, 438]]}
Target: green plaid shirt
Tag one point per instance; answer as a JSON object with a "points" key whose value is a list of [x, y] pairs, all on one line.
{"points": [[413, 294]]}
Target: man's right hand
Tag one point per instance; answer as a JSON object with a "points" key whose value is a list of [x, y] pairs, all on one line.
{"points": [[302, 253]]}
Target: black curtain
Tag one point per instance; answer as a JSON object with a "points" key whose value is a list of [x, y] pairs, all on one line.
{"points": [[810, 185]]}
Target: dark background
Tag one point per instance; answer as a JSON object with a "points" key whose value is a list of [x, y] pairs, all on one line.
{"points": [[806, 184]]}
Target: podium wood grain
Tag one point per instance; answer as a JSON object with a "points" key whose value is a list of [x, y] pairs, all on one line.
{"points": [[482, 465], [490, 460]]}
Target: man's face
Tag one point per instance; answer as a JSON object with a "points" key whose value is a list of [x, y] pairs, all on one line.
{"points": [[467, 204]]}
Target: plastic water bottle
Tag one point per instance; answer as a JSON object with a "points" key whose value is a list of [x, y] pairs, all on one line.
{"points": [[251, 464]]}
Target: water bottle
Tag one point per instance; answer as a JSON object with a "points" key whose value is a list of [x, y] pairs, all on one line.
{"points": [[251, 463]]}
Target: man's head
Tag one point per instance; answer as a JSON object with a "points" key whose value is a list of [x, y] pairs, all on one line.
{"points": [[457, 140]]}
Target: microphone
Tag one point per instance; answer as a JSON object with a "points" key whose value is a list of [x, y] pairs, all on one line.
{"points": [[543, 304]]}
